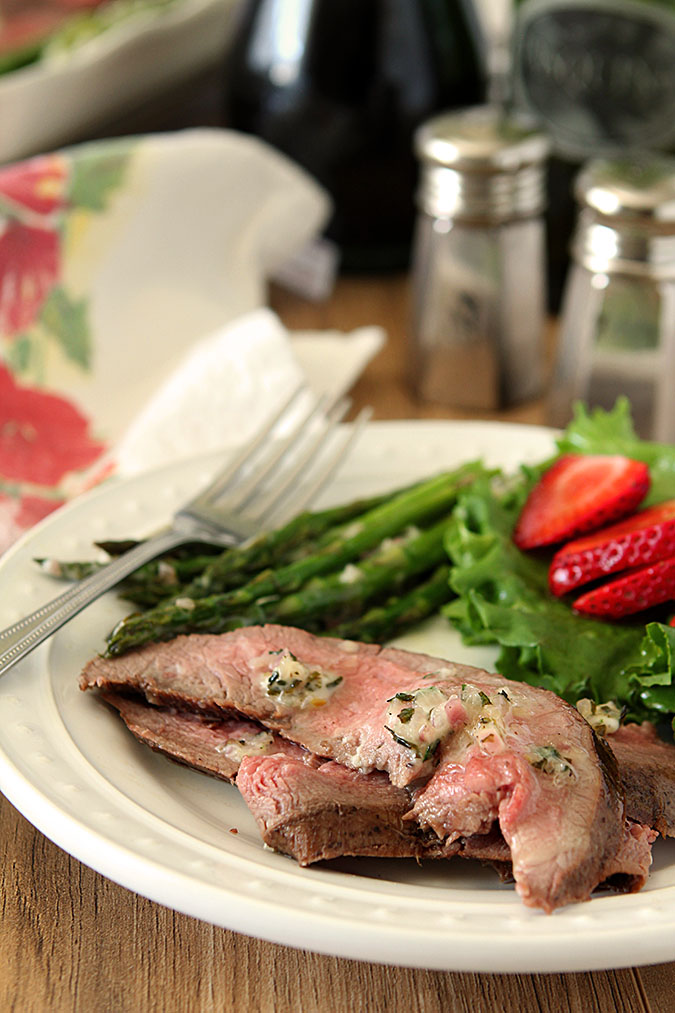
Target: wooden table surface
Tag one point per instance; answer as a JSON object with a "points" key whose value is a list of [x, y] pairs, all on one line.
{"points": [[72, 940]]}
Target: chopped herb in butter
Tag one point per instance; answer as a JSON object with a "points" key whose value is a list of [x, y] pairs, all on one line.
{"points": [[549, 761], [254, 745], [419, 721], [294, 684], [604, 718]]}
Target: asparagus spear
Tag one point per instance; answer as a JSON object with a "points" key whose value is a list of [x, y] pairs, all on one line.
{"points": [[325, 599], [383, 621], [167, 571], [215, 572], [271, 548], [345, 545]]}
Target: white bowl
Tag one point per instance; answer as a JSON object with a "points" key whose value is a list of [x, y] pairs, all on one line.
{"points": [[53, 102]]}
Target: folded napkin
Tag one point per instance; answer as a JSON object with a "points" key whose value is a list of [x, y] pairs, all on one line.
{"points": [[133, 330], [235, 379]]}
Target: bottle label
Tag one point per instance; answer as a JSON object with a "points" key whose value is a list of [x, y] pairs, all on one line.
{"points": [[600, 75]]}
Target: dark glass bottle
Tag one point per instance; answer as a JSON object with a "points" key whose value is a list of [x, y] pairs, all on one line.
{"points": [[340, 86]]}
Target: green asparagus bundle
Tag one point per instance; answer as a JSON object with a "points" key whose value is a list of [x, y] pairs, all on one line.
{"points": [[308, 590], [198, 574], [319, 604]]}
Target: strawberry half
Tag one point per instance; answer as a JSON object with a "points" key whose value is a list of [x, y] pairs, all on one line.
{"points": [[645, 537], [580, 493], [635, 591]]}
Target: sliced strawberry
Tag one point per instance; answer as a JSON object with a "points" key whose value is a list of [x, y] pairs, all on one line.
{"points": [[580, 493], [644, 537], [635, 591]]}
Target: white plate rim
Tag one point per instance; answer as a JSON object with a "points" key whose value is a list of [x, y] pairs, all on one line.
{"points": [[339, 914]]}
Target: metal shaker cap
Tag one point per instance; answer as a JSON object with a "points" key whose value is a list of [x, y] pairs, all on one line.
{"points": [[627, 217], [481, 164], [639, 191]]}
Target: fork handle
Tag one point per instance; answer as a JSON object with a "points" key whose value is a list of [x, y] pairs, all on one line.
{"points": [[18, 640]]}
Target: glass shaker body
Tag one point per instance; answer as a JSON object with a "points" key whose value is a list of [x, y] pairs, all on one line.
{"points": [[617, 338], [617, 335], [479, 294], [479, 279]]}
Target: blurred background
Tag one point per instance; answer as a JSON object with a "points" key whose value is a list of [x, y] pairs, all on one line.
{"points": [[342, 86]]}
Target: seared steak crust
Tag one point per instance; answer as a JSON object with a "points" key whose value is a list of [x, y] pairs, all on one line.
{"points": [[212, 745], [479, 748], [647, 771]]}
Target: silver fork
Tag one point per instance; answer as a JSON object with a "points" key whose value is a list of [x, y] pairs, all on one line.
{"points": [[265, 484]]}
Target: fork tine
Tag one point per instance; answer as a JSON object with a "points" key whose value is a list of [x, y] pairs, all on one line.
{"points": [[245, 490], [330, 466], [251, 448], [308, 491], [298, 455]]}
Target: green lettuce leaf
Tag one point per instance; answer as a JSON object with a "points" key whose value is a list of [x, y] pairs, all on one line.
{"points": [[601, 432], [503, 597]]}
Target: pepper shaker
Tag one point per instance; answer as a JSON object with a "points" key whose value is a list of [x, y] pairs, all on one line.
{"points": [[617, 333], [479, 278]]}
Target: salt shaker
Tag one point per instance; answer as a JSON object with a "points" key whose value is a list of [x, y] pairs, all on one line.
{"points": [[617, 333], [479, 278]]}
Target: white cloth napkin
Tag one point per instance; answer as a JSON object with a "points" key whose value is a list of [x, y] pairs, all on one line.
{"points": [[232, 381]]}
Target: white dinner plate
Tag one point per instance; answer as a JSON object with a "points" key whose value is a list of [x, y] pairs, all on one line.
{"points": [[187, 841]]}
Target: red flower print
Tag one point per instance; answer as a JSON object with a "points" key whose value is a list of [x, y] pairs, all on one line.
{"points": [[29, 266], [39, 184], [17, 515], [42, 436]]}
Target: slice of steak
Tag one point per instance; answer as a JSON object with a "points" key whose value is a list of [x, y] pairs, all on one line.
{"points": [[368, 807], [646, 764], [341, 813], [330, 811], [489, 749], [628, 871], [212, 745], [647, 770]]}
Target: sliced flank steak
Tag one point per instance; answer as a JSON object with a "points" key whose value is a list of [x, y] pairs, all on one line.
{"points": [[647, 771], [342, 812], [212, 745], [477, 749]]}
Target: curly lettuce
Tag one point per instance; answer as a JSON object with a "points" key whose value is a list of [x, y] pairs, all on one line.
{"points": [[503, 597]]}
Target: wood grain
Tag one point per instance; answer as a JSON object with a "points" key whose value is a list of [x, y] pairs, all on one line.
{"points": [[386, 384], [71, 940]]}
